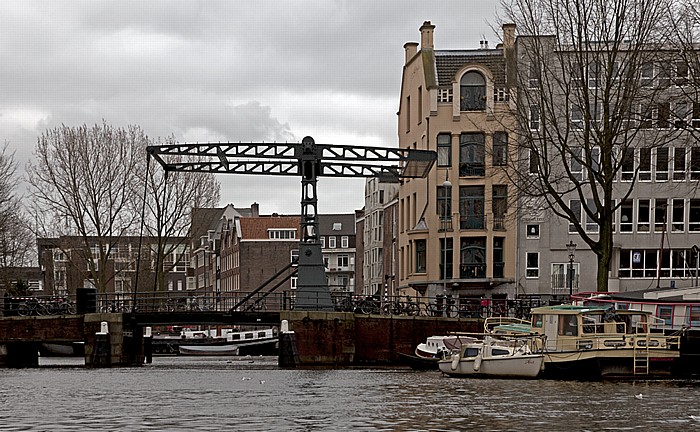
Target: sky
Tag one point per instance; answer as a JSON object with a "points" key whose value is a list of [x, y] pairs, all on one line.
{"points": [[217, 71]]}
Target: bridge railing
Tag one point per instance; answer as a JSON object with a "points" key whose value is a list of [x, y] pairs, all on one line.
{"points": [[183, 302]]}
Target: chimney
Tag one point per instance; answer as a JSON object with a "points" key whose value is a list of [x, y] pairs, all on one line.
{"points": [[426, 35], [255, 209], [509, 35], [411, 50]]}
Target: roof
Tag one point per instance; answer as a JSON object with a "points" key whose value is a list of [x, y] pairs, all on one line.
{"points": [[256, 228], [448, 62], [327, 223]]}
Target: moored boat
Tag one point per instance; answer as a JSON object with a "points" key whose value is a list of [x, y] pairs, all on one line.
{"points": [[592, 342], [201, 350], [494, 358]]}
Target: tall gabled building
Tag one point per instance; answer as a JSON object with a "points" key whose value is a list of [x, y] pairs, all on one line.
{"points": [[457, 227]]}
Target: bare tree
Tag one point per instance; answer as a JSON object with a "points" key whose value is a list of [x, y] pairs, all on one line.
{"points": [[592, 86], [170, 198], [16, 243], [83, 182]]}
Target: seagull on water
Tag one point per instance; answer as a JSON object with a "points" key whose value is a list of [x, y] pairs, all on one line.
{"points": [[695, 417], [639, 396], [245, 379], [262, 381]]}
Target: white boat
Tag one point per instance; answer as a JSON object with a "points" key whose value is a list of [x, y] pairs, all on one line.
{"points": [[200, 350], [435, 346], [252, 342], [496, 358]]}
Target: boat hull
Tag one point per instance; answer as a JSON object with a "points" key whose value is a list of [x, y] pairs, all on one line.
{"points": [[523, 366], [418, 362], [209, 350]]}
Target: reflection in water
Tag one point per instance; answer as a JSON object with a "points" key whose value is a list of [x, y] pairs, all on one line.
{"points": [[251, 393]]}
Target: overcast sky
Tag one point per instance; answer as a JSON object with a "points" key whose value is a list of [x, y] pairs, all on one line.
{"points": [[223, 71]]}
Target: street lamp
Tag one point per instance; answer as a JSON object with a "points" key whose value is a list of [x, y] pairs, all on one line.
{"points": [[571, 247]]}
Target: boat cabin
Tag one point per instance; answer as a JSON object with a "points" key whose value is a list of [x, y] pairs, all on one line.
{"points": [[574, 328]]}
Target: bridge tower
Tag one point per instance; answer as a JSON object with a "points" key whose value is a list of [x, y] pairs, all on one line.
{"points": [[310, 161]]}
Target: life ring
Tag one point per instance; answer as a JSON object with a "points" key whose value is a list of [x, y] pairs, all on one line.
{"points": [[455, 362], [477, 363]]}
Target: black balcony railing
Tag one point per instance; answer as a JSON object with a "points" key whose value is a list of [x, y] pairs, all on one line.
{"points": [[472, 271], [471, 222]]}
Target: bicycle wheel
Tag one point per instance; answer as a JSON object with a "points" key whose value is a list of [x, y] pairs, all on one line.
{"points": [[412, 309]]}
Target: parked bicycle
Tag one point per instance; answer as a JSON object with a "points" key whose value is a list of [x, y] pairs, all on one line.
{"points": [[398, 307]]}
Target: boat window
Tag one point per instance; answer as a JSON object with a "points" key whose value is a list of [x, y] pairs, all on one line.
{"points": [[499, 352], [235, 336], [568, 325], [261, 334], [639, 324], [592, 324], [249, 335], [537, 320], [471, 352]]}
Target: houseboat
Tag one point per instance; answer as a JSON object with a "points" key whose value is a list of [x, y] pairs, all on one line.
{"points": [[590, 342]]}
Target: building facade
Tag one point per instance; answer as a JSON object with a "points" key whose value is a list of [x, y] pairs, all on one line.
{"points": [[456, 228], [377, 196]]}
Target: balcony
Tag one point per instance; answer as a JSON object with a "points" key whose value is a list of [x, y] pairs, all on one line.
{"points": [[472, 271], [474, 222], [472, 170], [499, 223], [560, 284]]}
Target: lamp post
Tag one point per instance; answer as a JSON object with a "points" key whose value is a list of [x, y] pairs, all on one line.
{"points": [[571, 247]]}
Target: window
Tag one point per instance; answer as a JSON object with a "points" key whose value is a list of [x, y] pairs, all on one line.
{"points": [[408, 113], [681, 112], [532, 264], [575, 163], [694, 215], [343, 261], [337, 226], [576, 116], [644, 164], [471, 207], [662, 163], [643, 214], [472, 92], [679, 163], [331, 242], [471, 154], [695, 163], [692, 317], [577, 74], [499, 206], [575, 207], [663, 115], [665, 312], [534, 75], [594, 75], [660, 212], [498, 257], [446, 254], [678, 215], [472, 258], [533, 231], [344, 242], [647, 74], [444, 201], [695, 122], [282, 234], [591, 223], [682, 73], [626, 216], [420, 256], [323, 242], [534, 117], [500, 149], [646, 116], [561, 275], [627, 168], [444, 149], [533, 162], [663, 76]]}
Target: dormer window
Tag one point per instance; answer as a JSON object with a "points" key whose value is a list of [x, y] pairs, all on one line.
{"points": [[282, 234], [472, 92]]}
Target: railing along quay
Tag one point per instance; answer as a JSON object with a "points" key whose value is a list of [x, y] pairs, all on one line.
{"points": [[158, 301]]}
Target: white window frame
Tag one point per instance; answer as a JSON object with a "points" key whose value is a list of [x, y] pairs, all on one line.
{"points": [[331, 242], [532, 272], [344, 242]]}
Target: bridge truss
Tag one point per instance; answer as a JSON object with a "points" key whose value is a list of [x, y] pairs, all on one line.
{"points": [[309, 161]]}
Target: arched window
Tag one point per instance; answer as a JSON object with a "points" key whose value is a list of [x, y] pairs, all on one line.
{"points": [[472, 92]]}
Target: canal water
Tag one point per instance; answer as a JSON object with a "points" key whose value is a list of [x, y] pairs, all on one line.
{"points": [[253, 394]]}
